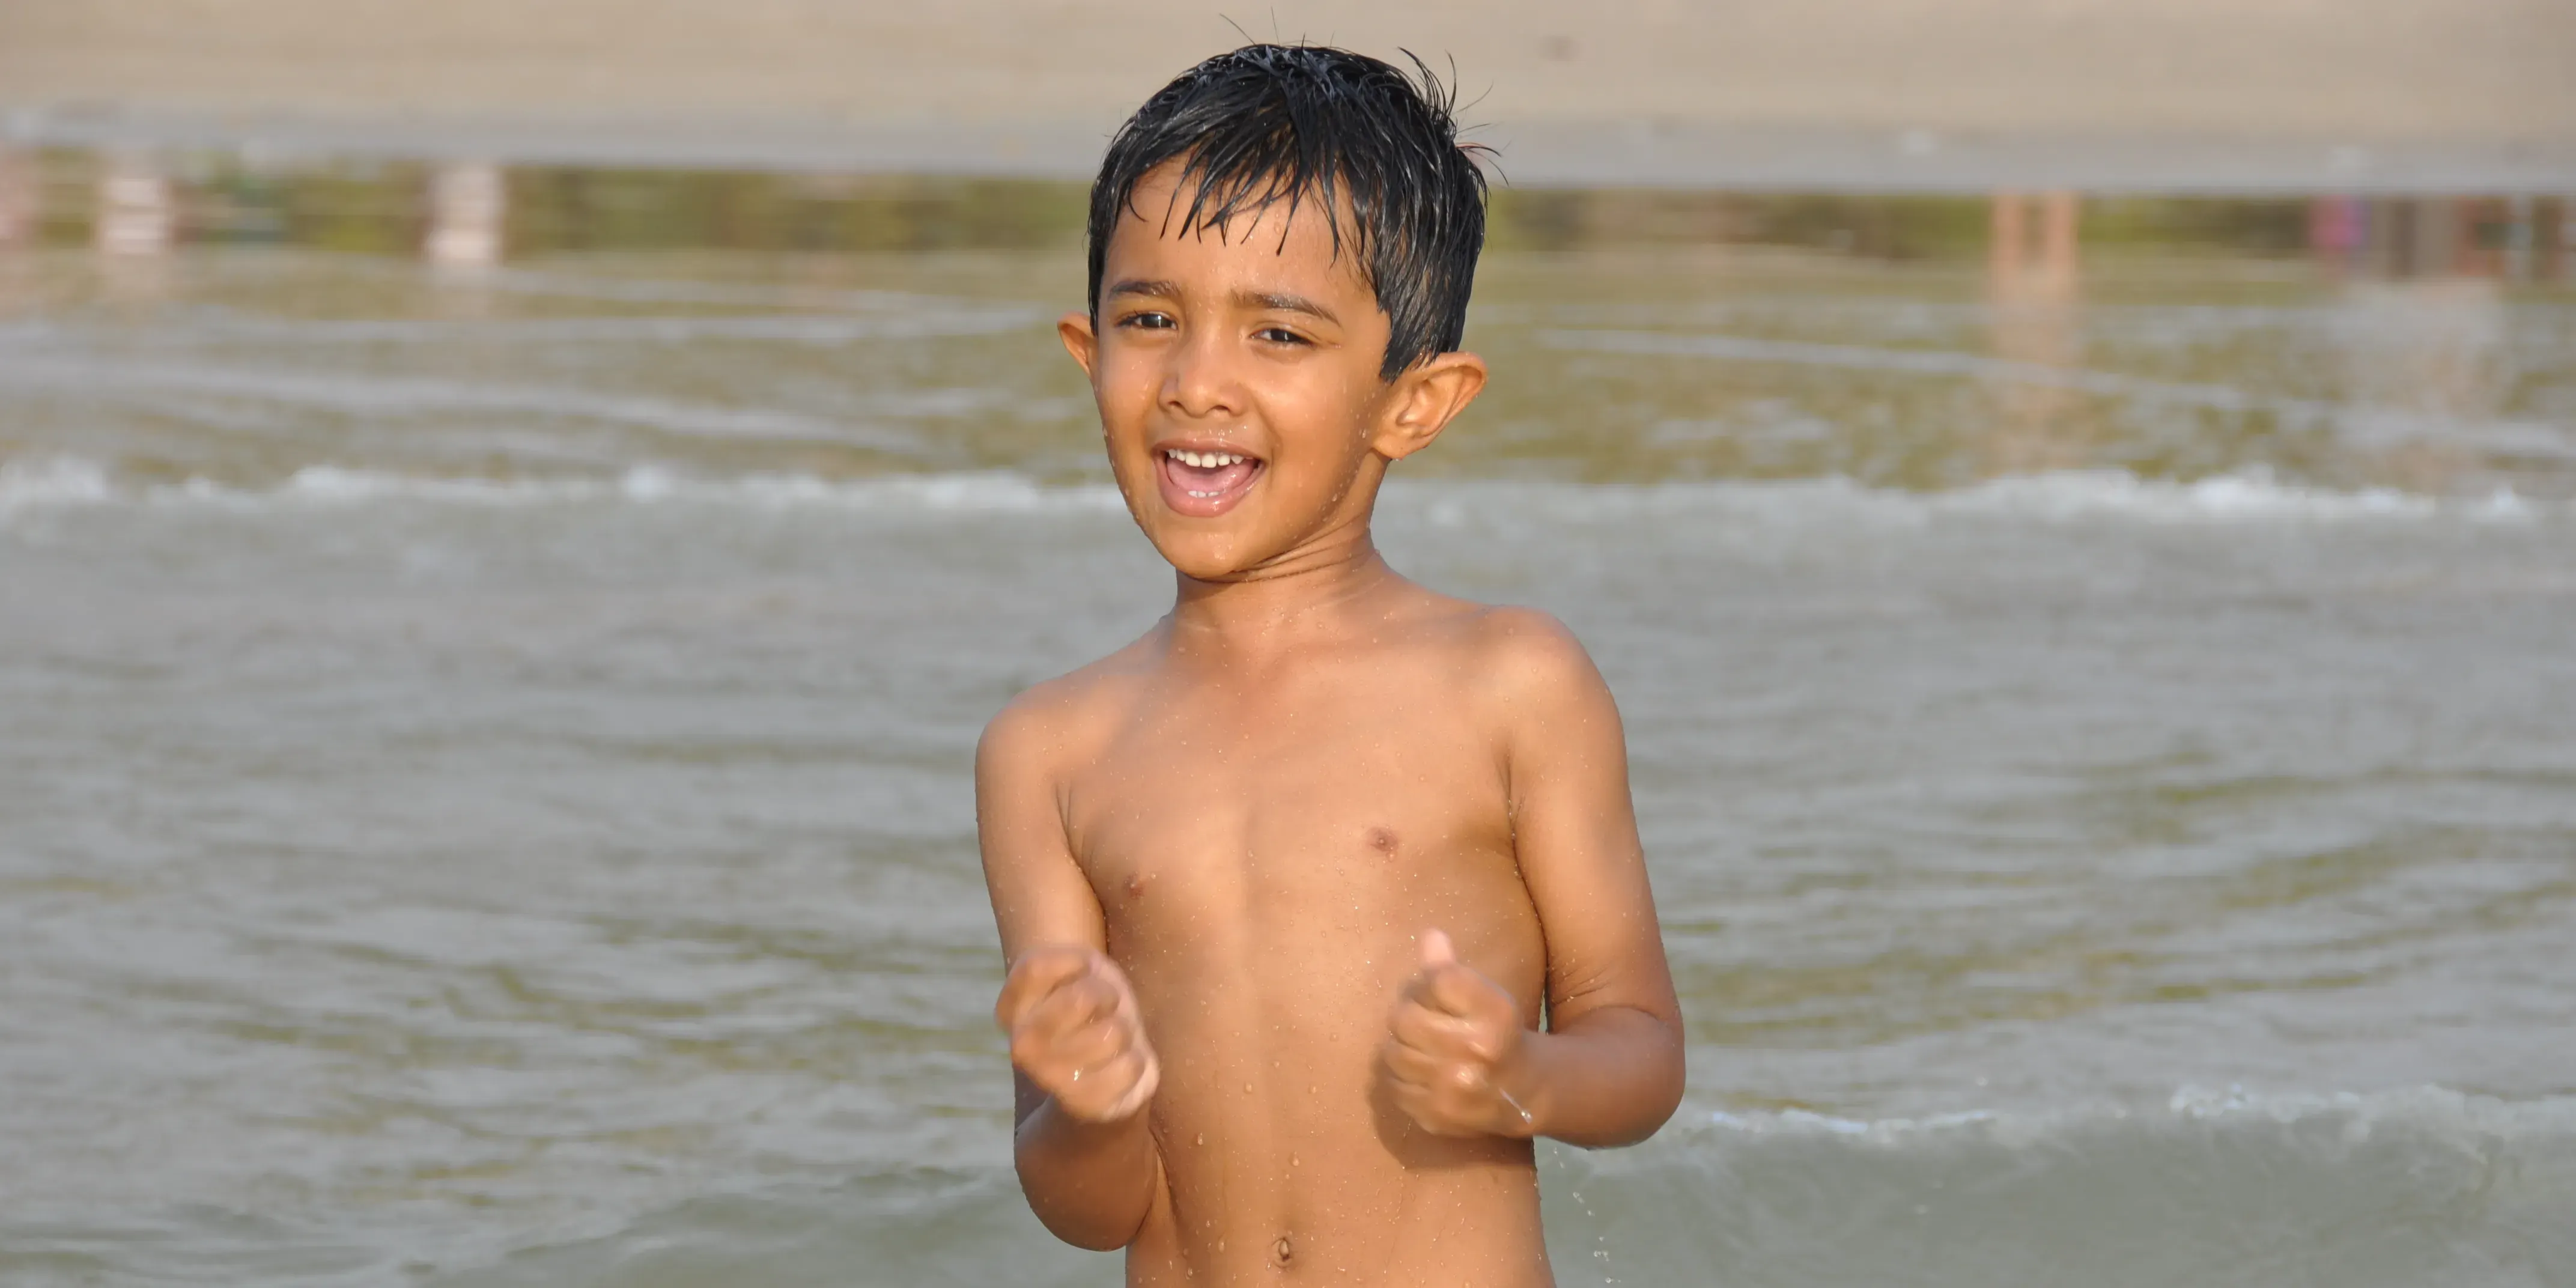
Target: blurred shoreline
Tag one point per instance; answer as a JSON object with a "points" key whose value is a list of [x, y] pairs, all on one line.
{"points": [[2180, 96]]}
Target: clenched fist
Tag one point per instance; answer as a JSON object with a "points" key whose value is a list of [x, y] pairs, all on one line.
{"points": [[1077, 1032], [1454, 1049]]}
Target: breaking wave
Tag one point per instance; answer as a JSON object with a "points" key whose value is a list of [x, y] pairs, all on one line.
{"points": [[2250, 496], [2414, 1186], [2215, 1188], [73, 482]]}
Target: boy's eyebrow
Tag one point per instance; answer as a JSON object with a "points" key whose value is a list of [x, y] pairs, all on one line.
{"points": [[1284, 303], [1243, 299], [1140, 286]]}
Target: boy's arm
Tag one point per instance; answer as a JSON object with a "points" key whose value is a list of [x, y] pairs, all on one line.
{"points": [[1081, 1065], [1608, 1069]]}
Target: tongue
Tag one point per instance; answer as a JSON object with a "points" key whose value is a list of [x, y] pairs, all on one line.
{"points": [[1214, 478]]}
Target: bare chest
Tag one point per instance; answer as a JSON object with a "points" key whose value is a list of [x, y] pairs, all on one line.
{"points": [[1215, 825]]}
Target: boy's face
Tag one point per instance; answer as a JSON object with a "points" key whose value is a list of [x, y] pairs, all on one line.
{"points": [[1236, 371]]}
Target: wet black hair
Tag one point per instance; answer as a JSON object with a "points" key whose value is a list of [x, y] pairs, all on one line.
{"points": [[1268, 123]]}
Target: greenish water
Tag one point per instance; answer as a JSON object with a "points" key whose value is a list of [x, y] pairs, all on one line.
{"points": [[483, 747]]}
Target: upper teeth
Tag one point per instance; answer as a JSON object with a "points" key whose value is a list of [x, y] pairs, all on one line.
{"points": [[1206, 460]]}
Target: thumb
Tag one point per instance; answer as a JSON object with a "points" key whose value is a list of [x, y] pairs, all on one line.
{"points": [[1436, 949]]}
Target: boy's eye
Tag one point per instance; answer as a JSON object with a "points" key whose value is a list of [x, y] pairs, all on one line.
{"points": [[1278, 335], [1148, 321]]}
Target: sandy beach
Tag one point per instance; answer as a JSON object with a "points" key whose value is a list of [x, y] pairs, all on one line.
{"points": [[2183, 94]]}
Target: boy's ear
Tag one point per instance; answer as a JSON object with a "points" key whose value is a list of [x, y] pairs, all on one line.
{"points": [[1079, 339], [1427, 397]]}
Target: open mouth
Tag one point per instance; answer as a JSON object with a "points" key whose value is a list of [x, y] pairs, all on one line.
{"points": [[1205, 483]]}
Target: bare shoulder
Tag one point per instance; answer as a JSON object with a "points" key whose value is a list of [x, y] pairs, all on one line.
{"points": [[1527, 657], [1056, 722]]}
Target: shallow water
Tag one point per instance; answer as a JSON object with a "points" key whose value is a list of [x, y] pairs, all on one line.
{"points": [[483, 781]]}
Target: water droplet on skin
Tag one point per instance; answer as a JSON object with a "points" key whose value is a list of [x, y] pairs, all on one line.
{"points": [[1202, 1138]]}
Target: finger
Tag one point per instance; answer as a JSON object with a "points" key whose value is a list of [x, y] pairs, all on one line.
{"points": [[1074, 1069], [1451, 988], [1075, 1005], [1410, 1067], [1057, 1058], [1460, 989], [1114, 1090], [1038, 972], [1091, 1045], [1107, 968], [1425, 987], [1415, 1105], [1148, 1077], [1122, 994], [1050, 1061], [1435, 1032], [1066, 1026], [1447, 1032], [1111, 992], [1430, 1113], [1437, 951]]}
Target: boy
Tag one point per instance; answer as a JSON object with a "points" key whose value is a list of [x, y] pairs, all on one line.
{"points": [[1287, 886]]}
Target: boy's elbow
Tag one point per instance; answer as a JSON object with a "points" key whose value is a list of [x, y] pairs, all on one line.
{"points": [[1644, 1075], [1663, 1076], [1668, 1100], [1660, 1096], [1093, 1208], [1088, 1237], [1073, 1219]]}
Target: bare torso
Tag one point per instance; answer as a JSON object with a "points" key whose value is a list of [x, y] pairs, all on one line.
{"points": [[1267, 846], [1283, 886]]}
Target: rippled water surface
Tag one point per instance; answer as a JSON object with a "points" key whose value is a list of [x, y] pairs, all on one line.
{"points": [[483, 790]]}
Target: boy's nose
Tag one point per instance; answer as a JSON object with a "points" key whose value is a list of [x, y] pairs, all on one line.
{"points": [[1201, 380]]}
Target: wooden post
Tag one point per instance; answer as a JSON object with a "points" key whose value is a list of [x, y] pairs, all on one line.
{"points": [[137, 213], [469, 203]]}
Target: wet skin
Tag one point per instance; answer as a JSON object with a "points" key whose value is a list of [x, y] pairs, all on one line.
{"points": [[1284, 884]]}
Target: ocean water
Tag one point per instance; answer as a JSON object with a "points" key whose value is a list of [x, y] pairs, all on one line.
{"points": [[483, 752]]}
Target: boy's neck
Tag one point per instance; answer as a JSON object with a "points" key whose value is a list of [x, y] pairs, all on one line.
{"points": [[1292, 600]]}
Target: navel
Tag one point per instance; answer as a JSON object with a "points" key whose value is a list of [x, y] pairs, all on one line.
{"points": [[1281, 1251]]}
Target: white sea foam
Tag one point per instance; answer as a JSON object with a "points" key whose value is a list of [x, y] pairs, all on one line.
{"points": [[2250, 497], [2355, 1114], [649, 485], [54, 480], [2396, 1188], [73, 482]]}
